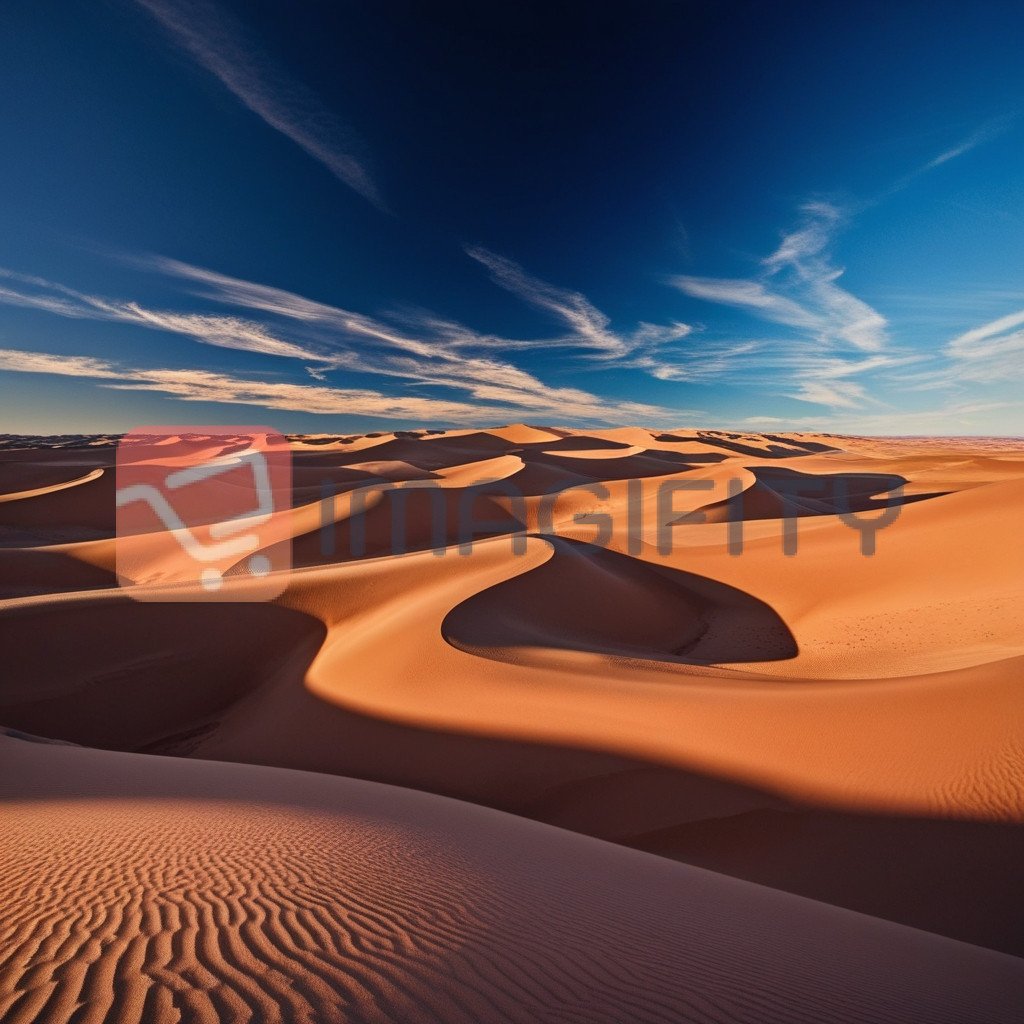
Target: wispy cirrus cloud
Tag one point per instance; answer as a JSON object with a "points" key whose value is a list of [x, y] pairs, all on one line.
{"points": [[801, 263], [837, 336], [703, 361], [992, 353], [803, 371], [417, 349], [753, 296], [808, 241], [442, 354], [493, 402], [19, 361], [667, 352], [986, 133], [431, 350], [797, 287], [588, 326], [336, 339], [220, 46], [995, 339], [191, 385], [588, 330], [33, 292], [333, 322]]}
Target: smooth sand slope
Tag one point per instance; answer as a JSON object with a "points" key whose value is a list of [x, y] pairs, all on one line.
{"points": [[145, 889], [597, 630]]}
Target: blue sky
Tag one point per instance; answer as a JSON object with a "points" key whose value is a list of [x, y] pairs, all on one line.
{"points": [[351, 217]]}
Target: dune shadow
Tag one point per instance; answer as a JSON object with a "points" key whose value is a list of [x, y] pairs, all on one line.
{"points": [[815, 447], [960, 879], [226, 682], [587, 598], [83, 512], [780, 448], [946, 876], [573, 443], [27, 571], [408, 519], [782, 493], [106, 670]]}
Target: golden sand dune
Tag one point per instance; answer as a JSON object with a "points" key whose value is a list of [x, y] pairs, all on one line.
{"points": [[203, 891], [671, 640], [39, 480]]}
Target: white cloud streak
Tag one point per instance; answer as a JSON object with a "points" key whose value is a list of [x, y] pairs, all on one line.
{"points": [[430, 350], [218, 45], [838, 335], [991, 354], [653, 349], [749, 295], [986, 133], [192, 385], [18, 361], [452, 356], [996, 338], [588, 326], [223, 331], [948, 419]]}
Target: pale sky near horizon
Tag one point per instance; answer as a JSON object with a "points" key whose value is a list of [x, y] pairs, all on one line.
{"points": [[355, 217]]}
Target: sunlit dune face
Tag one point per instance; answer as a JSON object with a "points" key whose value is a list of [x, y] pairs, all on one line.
{"points": [[785, 657], [224, 892]]}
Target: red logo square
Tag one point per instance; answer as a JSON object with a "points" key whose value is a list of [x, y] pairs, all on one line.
{"points": [[203, 513]]}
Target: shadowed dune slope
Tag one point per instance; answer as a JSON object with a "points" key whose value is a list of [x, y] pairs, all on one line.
{"points": [[83, 510], [198, 891], [589, 598], [121, 673], [840, 727], [778, 493]]}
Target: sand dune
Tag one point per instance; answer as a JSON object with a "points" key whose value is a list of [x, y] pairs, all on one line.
{"points": [[205, 891], [575, 601], [54, 514], [39, 480], [777, 493], [829, 724]]}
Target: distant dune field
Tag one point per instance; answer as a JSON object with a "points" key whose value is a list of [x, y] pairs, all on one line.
{"points": [[547, 725]]}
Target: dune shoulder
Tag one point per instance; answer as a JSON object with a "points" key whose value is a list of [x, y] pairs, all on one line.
{"points": [[197, 890]]}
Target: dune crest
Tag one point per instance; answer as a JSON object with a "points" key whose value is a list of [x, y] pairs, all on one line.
{"points": [[194, 890], [532, 711]]}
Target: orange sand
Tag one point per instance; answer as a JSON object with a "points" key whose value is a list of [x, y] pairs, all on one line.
{"points": [[834, 726]]}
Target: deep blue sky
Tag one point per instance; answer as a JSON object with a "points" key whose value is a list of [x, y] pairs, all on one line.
{"points": [[350, 216]]}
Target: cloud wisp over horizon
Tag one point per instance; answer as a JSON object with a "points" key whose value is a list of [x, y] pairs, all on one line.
{"points": [[837, 340], [444, 355], [837, 336], [579, 241]]}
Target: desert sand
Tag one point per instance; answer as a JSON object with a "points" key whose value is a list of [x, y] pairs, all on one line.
{"points": [[546, 725]]}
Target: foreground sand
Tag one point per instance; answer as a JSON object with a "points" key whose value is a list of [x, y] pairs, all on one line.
{"points": [[143, 888], [837, 726]]}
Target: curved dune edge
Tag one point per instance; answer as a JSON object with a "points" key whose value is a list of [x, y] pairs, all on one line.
{"points": [[826, 741], [834, 742], [587, 598], [597, 453], [878, 766], [196, 890], [62, 485]]}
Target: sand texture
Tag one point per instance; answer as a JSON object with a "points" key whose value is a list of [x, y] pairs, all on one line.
{"points": [[525, 736]]}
